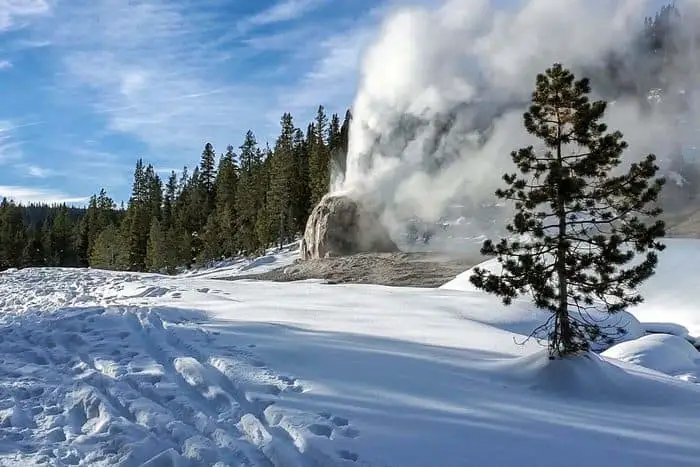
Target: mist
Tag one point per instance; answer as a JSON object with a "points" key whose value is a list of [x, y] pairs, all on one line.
{"points": [[442, 92]]}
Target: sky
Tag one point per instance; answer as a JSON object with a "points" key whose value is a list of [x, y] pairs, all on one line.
{"points": [[89, 86]]}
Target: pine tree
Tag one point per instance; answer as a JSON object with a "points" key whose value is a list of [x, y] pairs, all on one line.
{"points": [[250, 193], [88, 232], [302, 189], [156, 250], [319, 158], [154, 193], [107, 252], [578, 224], [339, 163], [211, 236], [33, 254], [170, 200], [226, 187], [60, 240], [283, 179], [334, 137], [12, 235], [173, 251], [207, 184], [137, 222]]}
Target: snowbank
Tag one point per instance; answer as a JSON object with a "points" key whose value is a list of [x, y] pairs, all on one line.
{"points": [[668, 354]]}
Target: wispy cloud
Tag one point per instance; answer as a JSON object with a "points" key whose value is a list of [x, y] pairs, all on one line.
{"points": [[10, 147], [153, 73], [5, 64], [37, 172], [12, 12], [286, 10], [26, 195], [332, 75]]}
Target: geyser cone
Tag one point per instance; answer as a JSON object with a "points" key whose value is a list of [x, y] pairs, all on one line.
{"points": [[340, 226]]}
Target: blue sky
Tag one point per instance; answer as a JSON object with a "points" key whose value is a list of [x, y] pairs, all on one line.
{"points": [[88, 86]]}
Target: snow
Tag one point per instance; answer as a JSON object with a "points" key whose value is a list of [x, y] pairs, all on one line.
{"points": [[666, 353], [101, 368], [272, 259]]}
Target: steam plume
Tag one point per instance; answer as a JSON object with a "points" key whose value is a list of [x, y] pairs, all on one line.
{"points": [[442, 92]]}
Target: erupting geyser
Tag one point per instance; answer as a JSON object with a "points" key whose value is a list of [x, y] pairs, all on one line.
{"points": [[442, 91]]}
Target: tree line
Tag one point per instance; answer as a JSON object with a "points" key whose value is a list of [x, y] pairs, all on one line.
{"points": [[238, 202]]}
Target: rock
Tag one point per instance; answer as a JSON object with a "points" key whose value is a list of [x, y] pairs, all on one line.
{"points": [[341, 226]]}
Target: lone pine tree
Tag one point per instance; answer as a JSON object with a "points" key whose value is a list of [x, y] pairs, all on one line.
{"points": [[580, 219]]}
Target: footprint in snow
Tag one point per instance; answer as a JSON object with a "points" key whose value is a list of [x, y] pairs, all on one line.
{"points": [[348, 455], [340, 425], [321, 430]]}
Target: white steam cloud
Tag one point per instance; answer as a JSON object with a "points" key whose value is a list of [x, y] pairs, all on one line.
{"points": [[442, 92]]}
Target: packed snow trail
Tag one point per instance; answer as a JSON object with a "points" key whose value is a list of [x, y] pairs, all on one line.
{"points": [[101, 368], [128, 385]]}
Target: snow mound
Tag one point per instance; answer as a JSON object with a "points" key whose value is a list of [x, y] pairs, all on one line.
{"points": [[668, 354], [588, 376], [667, 328]]}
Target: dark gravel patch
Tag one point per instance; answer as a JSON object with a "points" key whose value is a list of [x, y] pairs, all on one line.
{"points": [[394, 269]]}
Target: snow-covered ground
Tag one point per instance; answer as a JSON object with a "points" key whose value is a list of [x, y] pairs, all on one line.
{"points": [[101, 368], [272, 259]]}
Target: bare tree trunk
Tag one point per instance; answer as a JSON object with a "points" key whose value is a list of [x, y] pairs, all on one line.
{"points": [[561, 342]]}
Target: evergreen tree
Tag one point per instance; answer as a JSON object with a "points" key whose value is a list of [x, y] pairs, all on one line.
{"points": [[33, 254], [226, 190], [154, 193], [174, 256], [207, 179], [302, 189], [87, 232], [250, 193], [156, 250], [107, 252], [170, 200], [12, 235], [211, 236], [138, 218], [283, 182], [60, 240], [334, 137], [319, 158], [339, 162], [578, 225]]}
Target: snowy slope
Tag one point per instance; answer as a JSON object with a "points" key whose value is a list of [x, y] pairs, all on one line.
{"points": [[101, 368], [668, 295], [272, 259]]}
